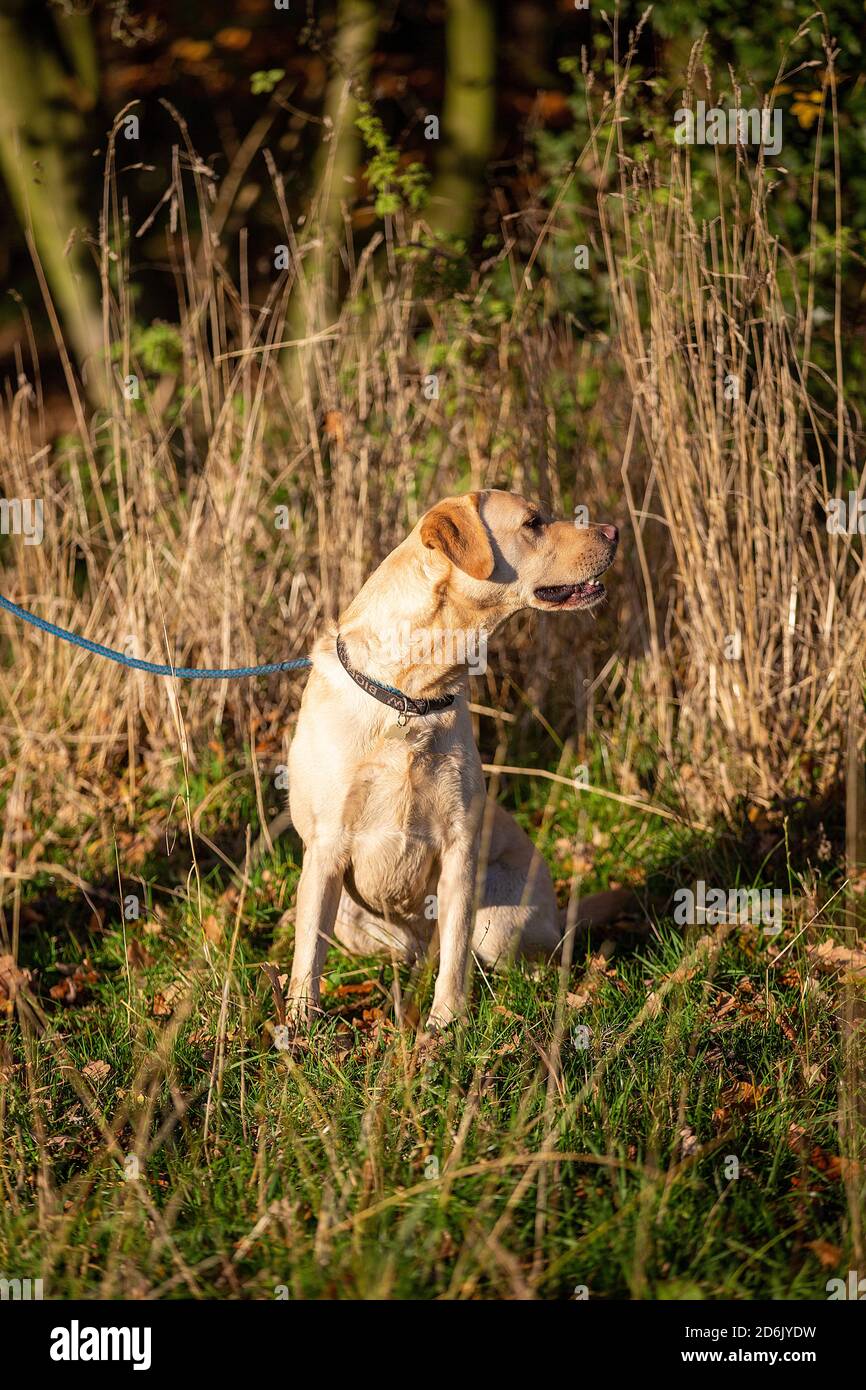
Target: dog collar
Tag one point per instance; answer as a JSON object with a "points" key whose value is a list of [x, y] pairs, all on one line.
{"points": [[387, 695]]}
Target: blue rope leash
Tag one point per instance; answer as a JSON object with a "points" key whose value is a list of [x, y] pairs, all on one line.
{"points": [[190, 673]]}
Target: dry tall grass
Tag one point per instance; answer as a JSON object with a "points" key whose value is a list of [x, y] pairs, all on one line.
{"points": [[742, 460]]}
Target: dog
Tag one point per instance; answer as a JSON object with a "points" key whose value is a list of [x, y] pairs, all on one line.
{"points": [[386, 787]]}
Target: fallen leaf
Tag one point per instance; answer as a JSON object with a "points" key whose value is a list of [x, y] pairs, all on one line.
{"points": [[829, 1255], [508, 1013], [796, 1136], [742, 1094], [138, 956], [750, 1094], [829, 956], [96, 1071], [233, 38], [11, 981], [731, 1003], [596, 972], [165, 1000], [364, 987], [212, 928], [73, 988], [835, 1167], [190, 50]]}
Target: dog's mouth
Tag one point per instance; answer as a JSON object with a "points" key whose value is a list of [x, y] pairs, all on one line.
{"points": [[584, 595]]}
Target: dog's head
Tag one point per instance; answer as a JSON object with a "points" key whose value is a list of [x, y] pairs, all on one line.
{"points": [[506, 552]]}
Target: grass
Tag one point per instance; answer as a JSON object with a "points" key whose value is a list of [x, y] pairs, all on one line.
{"points": [[523, 1159]]}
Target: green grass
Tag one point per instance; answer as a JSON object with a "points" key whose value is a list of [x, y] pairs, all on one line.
{"points": [[513, 1161]]}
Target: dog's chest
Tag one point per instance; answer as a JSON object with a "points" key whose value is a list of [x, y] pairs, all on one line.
{"points": [[401, 806]]}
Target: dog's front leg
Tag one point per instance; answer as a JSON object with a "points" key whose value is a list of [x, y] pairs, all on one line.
{"points": [[456, 904], [315, 913]]}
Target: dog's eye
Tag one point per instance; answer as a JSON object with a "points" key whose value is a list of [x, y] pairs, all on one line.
{"points": [[534, 522]]}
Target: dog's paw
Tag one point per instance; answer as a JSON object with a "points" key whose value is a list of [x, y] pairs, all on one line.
{"points": [[443, 1016], [437, 1031], [436, 1026]]}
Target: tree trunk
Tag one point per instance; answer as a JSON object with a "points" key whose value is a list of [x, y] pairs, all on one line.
{"points": [[315, 300], [43, 140], [468, 116], [338, 160]]}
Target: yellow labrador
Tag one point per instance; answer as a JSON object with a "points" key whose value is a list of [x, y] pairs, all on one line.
{"points": [[386, 785]]}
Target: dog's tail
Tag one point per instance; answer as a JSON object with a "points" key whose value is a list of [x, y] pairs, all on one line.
{"points": [[617, 913]]}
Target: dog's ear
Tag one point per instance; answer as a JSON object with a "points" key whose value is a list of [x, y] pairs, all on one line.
{"points": [[455, 527]]}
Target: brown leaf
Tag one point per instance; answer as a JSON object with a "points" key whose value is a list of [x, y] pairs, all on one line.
{"points": [[732, 1002], [837, 1168], [96, 1071], [334, 426], [165, 1000], [190, 50], [11, 981], [73, 988], [829, 956], [796, 1138], [829, 1255], [138, 956], [596, 972], [364, 987], [552, 104], [233, 38], [277, 984], [750, 1094], [212, 928], [743, 1094]]}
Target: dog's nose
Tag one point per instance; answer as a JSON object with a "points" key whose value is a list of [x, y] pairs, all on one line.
{"points": [[611, 533]]}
